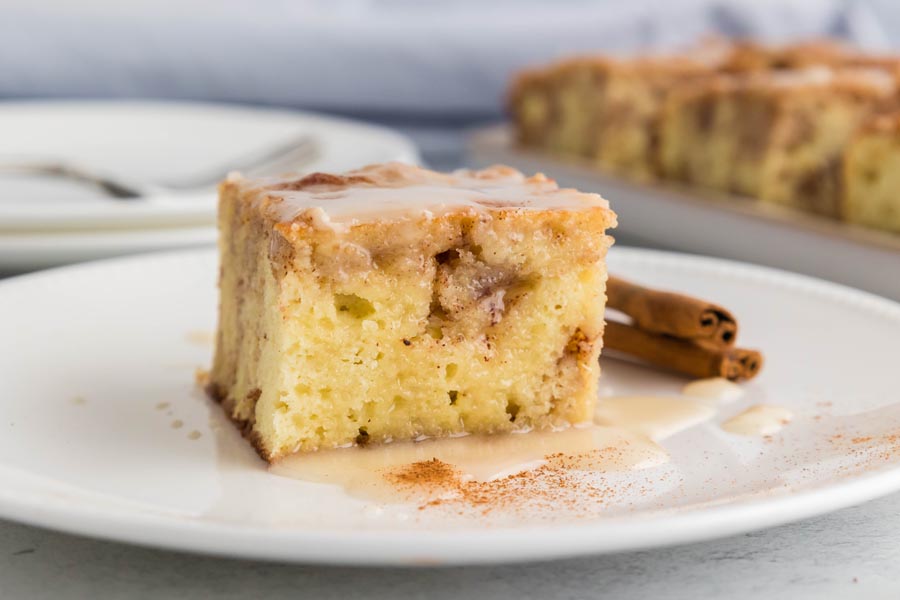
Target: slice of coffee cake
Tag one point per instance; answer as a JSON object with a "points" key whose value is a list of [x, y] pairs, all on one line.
{"points": [[394, 302]]}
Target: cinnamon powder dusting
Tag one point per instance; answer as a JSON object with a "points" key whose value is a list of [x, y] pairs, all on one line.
{"points": [[869, 451], [555, 484]]}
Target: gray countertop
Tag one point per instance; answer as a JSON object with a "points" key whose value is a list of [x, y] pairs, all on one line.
{"points": [[853, 553]]}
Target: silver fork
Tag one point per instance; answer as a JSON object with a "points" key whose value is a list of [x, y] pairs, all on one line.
{"points": [[291, 155]]}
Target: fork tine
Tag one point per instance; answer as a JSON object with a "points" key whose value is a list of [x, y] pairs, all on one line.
{"points": [[290, 161], [293, 150]]}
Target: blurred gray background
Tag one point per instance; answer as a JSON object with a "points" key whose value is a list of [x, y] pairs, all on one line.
{"points": [[429, 68]]}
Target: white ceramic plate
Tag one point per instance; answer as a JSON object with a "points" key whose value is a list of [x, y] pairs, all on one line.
{"points": [[97, 361], [692, 220], [152, 142], [21, 252]]}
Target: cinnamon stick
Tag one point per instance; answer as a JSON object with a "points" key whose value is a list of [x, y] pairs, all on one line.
{"points": [[670, 313], [690, 357]]}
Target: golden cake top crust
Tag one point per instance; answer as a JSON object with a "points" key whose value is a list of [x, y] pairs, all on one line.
{"points": [[646, 66], [811, 63], [854, 80], [747, 55], [395, 190], [857, 82], [752, 56]]}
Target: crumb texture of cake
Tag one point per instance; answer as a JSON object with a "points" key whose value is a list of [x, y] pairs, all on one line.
{"points": [[394, 302], [872, 175]]}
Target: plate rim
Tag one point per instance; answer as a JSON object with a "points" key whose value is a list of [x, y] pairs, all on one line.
{"points": [[385, 548], [446, 548]]}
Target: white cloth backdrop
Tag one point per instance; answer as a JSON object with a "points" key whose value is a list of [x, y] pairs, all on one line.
{"points": [[425, 65]]}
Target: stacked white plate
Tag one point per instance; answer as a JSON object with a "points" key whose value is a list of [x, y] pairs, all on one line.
{"points": [[48, 221]]}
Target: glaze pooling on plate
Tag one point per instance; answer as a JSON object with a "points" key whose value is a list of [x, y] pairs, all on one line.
{"points": [[537, 463], [759, 419], [657, 417], [715, 389], [403, 472]]}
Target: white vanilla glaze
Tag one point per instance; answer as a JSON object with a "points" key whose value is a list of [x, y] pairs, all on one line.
{"points": [[760, 419], [625, 437], [656, 417], [396, 190], [362, 470], [814, 75], [864, 80], [716, 389]]}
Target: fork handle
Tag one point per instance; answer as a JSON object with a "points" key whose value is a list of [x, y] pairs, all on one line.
{"points": [[113, 187]]}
